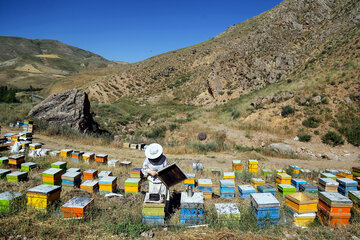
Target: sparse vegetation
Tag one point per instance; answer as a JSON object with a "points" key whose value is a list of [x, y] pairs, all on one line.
{"points": [[311, 122], [332, 138], [287, 110], [304, 137]]}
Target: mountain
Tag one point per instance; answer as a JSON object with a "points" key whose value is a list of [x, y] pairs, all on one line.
{"points": [[40, 62], [246, 57]]}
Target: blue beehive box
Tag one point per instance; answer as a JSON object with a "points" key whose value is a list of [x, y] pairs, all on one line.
{"points": [[332, 171], [266, 188], [227, 189], [245, 191], [266, 208], [346, 185], [297, 181], [191, 208], [307, 187]]}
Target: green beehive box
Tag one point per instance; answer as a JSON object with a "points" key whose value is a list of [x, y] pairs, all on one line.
{"points": [[132, 181], [4, 161], [10, 200], [28, 166], [17, 176], [60, 165], [153, 208], [4, 172], [355, 196], [286, 189], [267, 172]]}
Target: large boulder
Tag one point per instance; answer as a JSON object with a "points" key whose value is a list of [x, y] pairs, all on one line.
{"points": [[282, 148], [70, 108]]}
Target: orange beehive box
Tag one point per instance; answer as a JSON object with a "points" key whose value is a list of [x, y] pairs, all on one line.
{"points": [[332, 219], [334, 208], [77, 207], [90, 174], [102, 158], [344, 175]]}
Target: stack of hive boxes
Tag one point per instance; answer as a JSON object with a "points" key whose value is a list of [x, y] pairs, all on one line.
{"points": [[229, 176], [190, 179], [15, 161], [328, 185], [297, 181], [10, 201], [91, 186], [28, 126], [266, 208], [71, 179], [153, 210], [267, 172], [28, 166], [4, 161], [355, 197], [197, 167], [327, 175], [255, 182], [191, 208], [334, 209], [52, 176], [76, 156], [90, 174], [245, 191], [237, 165], [59, 165], [283, 178], [346, 185], [135, 173], [295, 170], [285, 189], [88, 157], [227, 213], [309, 188], [227, 189], [77, 207], [65, 153], [302, 207], [344, 174], [356, 172], [132, 185], [14, 139], [43, 196], [35, 146], [107, 184], [17, 176], [205, 186], [266, 188], [4, 172], [102, 158], [253, 166]]}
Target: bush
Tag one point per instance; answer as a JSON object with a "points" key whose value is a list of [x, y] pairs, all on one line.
{"points": [[156, 132], [235, 114], [352, 132], [332, 138], [316, 132], [287, 110], [174, 126], [304, 138], [311, 122]]}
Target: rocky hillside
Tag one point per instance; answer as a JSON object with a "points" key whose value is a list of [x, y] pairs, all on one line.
{"points": [[248, 56], [40, 62]]}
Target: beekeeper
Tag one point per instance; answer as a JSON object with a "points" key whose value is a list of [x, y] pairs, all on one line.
{"points": [[155, 161]]}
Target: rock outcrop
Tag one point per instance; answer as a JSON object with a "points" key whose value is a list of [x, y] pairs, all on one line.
{"points": [[70, 108], [282, 148]]}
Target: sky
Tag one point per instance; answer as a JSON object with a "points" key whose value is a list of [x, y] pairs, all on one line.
{"points": [[125, 30]]}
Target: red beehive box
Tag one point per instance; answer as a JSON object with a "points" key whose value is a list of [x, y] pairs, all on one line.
{"points": [[77, 207]]}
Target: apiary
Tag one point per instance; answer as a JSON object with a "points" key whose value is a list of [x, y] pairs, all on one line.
{"points": [[17, 176], [9, 201], [26, 167], [245, 191], [266, 208], [52, 176], [107, 184], [66, 153], [153, 209], [227, 189], [71, 179], [90, 174], [227, 212], [191, 208], [15, 161], [206, 187], [284, 189], [42, 196], [77, 207], [91, 186], [102, 158], [132, 185]]}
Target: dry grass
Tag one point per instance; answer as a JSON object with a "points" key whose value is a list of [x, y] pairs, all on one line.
{"points": [[47, 56]]}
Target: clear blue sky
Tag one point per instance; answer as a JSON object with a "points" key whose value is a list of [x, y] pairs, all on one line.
{"points": [[126, 30]]}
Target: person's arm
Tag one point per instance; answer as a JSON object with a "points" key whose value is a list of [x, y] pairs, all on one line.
{"points": [[146, 170]]}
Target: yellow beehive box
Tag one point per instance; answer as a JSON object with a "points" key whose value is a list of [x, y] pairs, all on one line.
{"points": [[304, 219], [42, 196], [229, 176], [257, 182], [301, 202], [88, 156], [65, 153], [283, 176]]}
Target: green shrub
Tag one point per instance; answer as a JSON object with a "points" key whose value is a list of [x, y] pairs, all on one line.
{"points": [[287, 110], [325, 101], [235, 114], [332, 138], [304, 137], [311, 122], [352, 132], [156, 132], [316, 132], [174, 126], [130, 228]]}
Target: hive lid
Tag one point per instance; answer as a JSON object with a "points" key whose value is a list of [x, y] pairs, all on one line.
{"points": [[298, 180], [305, 171], [66, 150], [18, 156], [3, 171], [307, 186], [227, 209], [354, 196], [105, 173], [228, 183], [196, 198], [107, 180], [266, 187], [204, 182], [246, 188], [294, 167], [283, 176], [8, 196], [58, 163], [190, 175], [101, 155], [88, 154], [264, 200], [17, 174], [3, 158], [90, 183], [71, 175], [29, 164], [301, 198], [347, 182], [78, 202], [125, 162], [328, 175], [52, 171], [285, 186], [91, 171], [257, 180], [133, 180], [35, 144], [334, 198], [252, 161], [328, 181], [235, 162], [229, 174], [171, 175], [73, 170], [44, 189]]}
